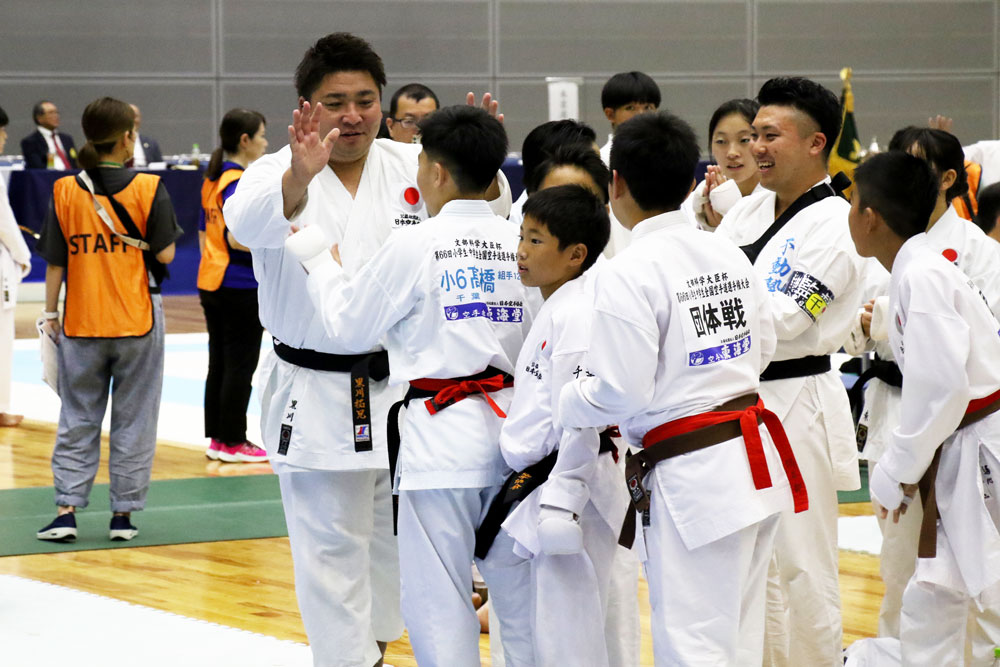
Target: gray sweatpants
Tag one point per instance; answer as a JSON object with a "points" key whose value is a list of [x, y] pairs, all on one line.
{"points": [[132, 368]]}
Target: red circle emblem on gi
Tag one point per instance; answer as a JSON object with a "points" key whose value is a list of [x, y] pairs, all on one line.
{"points": [[950, 254], [411, 196]]}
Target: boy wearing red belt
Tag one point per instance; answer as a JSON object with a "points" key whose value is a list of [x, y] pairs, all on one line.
{"points": [[681, 330], [948, 439]]}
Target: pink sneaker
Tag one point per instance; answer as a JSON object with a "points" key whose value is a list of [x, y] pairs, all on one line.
{"points": [[245, 452], [214, 448]]}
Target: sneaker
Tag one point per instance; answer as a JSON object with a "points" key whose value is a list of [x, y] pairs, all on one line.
{"points": [[63, 529], [121, 529], [245, 452], [214, 448]]}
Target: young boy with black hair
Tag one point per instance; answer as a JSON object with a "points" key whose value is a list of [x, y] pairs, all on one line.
{"points": [[945, 339], [446, 298], [625, 95], [568, 521], [681, 328]]}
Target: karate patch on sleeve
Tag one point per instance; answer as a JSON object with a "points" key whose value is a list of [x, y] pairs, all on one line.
{"points": [[809, 293]]}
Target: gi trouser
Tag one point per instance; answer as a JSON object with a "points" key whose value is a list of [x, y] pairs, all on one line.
{"points": [[346, 566], [6, 355], [621, 624], [707, 603], [133, 370], [803, 598], [436, 545]]}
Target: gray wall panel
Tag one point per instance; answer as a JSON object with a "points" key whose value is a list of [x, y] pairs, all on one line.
{"points": [[606, 37], [411, 36], [106, 36], [796, 36], [175, 113]]}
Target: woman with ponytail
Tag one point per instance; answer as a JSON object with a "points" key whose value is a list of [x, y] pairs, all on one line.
{"points": [[105, 231], [228, 294]]}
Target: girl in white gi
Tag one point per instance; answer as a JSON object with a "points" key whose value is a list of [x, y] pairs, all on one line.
{"points": [[978, 256], [680, 331], [734, 174], [568, 527], [796, 230], [446, 296], [15, 263], [945, 339]]}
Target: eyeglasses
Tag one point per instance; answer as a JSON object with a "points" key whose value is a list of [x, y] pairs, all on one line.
{"points": [[408, 122]]}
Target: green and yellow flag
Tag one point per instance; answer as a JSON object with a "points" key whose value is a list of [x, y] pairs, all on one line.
{"points": [[845, 155]]}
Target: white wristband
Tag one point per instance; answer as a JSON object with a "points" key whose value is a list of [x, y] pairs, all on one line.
{"points": [[50, 314]]}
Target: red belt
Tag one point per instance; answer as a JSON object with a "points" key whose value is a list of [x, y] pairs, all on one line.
{"points": [[449, 392]]}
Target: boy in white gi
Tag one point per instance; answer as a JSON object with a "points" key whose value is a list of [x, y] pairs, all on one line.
{"points": [[796, 235], [568, 527], [978, 256], [680, 331], [945, 339], [446, 296]]}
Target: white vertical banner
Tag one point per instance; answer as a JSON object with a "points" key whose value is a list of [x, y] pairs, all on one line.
{"points": [[564, 97]]}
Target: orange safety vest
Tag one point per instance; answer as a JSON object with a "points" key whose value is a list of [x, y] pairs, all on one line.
{"points": [[967, 205], [215, 255], [107, 286]]}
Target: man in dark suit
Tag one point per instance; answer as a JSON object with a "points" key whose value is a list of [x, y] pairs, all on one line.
{"points": [[46, 141], [147, 150]]}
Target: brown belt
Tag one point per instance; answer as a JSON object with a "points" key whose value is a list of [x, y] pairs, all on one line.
{"points": [[927, 544]]}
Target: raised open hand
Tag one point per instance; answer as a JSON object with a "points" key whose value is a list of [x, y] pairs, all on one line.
{"points": [[490, 105], [310, 152]]}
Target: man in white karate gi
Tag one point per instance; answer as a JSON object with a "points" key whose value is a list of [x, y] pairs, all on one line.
{"points": [[796, 235], [328, 450], [681, 329]]}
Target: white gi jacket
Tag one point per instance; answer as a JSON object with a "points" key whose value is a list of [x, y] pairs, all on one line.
{"points": [[681, 325], [978, 256], [553, 354], [317, 404], [448, 299], [947, 344], [816, 278], [15, 258]]}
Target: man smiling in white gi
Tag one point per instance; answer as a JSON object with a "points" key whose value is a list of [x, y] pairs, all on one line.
{"points": [[815, 278]]}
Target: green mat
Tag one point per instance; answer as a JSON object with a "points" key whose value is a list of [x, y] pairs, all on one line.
{"points": [[859, 496], [177, 512]]}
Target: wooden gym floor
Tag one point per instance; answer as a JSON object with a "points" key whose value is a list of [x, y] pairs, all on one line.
{"points": [[248, 584]]}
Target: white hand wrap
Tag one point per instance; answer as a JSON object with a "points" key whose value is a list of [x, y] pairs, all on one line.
{"points": [[559, 531], [884, 490], [725, 196], [879, 328], [309, 246]]}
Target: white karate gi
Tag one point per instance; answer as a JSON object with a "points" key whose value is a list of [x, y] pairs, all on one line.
{"points": [[447, 297], [321, 471], [946, 342], [978, 256], [814, 259], [567, 598], [681, 325], [619, 240], [15, 263]]}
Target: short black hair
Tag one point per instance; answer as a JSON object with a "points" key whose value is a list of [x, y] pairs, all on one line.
{"points": [[942, 150], [626, 87], [810, 98], [38, 110], [746, 108], [583, 157], [417, 91], [656, 154], [337, 52], [989, 207], [468, 141], [543, 141], [4, 119], [900, 187], [572, 214]]}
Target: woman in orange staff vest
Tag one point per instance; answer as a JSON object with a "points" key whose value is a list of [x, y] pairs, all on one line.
{"points": [[228, 293], [112, 330]]}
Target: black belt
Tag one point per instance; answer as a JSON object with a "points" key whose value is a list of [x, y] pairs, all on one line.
{"points": [[516, 488], [796, 368], [374, 365], [884, 370]]}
